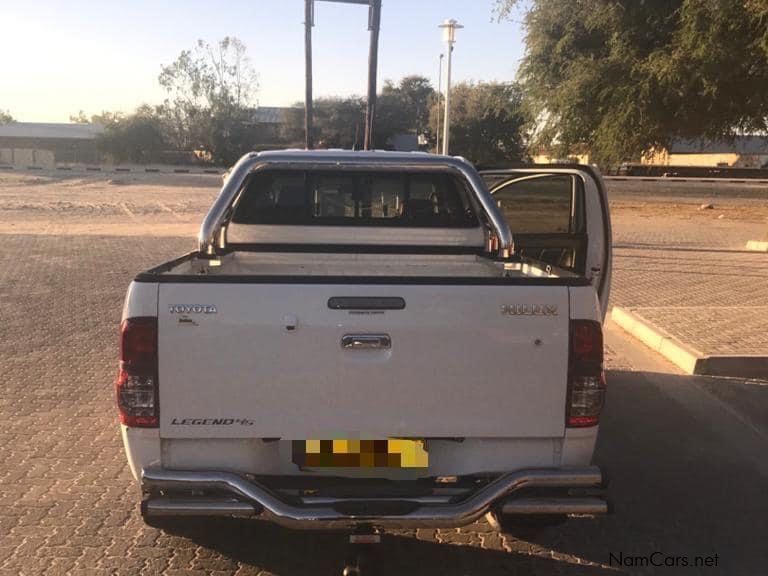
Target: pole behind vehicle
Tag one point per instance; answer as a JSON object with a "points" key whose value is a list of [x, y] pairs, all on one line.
{"points": [[374, 26], [309, 17]]}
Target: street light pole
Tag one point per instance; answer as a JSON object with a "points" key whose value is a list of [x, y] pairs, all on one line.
{"points": [[309, 16], [447, 125], [439, 103], [374, 25], [449, 35]]}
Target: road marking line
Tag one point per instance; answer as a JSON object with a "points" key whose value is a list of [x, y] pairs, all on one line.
{"points": [[130, 214], [167, 209]]}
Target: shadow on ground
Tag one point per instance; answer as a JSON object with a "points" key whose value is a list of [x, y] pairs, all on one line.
{"points": [[685, 478], [290, 553]]}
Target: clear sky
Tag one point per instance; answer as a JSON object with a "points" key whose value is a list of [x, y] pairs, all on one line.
{"points": [[61, 56]]}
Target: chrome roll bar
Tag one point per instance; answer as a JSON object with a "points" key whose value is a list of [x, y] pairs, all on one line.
{"points": [[211, 238]]}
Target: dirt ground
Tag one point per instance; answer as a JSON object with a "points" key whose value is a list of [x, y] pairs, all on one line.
{"points": [[741, 210], [120, 204], [139, 204]]}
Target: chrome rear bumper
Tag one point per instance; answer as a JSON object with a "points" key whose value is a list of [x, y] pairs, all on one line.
{"points": [[202, 493]]}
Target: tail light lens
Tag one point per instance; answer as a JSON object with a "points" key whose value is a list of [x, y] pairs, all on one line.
{"points": [[137, 390], [586, 377]]}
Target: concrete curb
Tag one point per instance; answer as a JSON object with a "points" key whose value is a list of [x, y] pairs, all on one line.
{"points": [[115, 169], [757, 246], [687, 358], [706, 180], [668, 346]]}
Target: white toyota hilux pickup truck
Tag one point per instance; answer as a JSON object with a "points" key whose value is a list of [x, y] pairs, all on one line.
{"points": [[361, 340]]}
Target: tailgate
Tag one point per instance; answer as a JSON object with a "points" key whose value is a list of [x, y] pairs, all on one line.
{"points": [[269, 361]]}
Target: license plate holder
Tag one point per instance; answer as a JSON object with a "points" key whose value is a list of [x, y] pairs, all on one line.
{"points": [[343, 453]]}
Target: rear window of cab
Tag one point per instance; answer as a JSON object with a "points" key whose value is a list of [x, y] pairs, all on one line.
{"points": [[431, 200]]}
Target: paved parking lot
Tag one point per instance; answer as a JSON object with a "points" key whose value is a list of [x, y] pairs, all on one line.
{"points": [[686, 270], [686, 455]]}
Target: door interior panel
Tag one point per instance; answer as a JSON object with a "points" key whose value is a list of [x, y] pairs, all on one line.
{"points": [[564, 251]]}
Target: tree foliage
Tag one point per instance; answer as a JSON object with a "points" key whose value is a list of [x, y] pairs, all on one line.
{"points": [[79, 118], [487, 122], [487, 126], [5, 117], [219, 76], [211, 89], [137, 137], [403, 108], [623, 76], [339, 122]]}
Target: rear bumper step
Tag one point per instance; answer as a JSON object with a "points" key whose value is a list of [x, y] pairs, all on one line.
{"points": [[556, 506], [241, 497]]}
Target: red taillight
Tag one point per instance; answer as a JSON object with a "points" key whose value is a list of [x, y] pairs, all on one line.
{"points": [[586, 378], [137, 391]]}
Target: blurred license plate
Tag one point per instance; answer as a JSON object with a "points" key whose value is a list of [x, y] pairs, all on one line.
{"points": [[391, 453]]}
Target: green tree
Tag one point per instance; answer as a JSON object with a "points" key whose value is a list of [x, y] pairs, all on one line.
{"points": [[622, 76], [5, 117], [403, 108], [79, 118], [417, 93], [291, 131], [106, 118], [137, 137], [487, 122], [337, 123], [210, 89], [340, 122]]}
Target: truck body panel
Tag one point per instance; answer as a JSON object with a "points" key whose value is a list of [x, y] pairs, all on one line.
{"points": [[361, 306], [456, 364]]}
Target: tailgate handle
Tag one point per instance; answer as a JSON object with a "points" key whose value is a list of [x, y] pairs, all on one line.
{"points": [[366, 342], [366, 303]]}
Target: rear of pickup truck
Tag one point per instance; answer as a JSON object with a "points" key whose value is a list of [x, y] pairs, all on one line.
{"points": [[355, 344]]}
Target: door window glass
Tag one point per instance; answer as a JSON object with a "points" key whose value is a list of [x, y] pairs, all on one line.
{"points": [[538, 205]]}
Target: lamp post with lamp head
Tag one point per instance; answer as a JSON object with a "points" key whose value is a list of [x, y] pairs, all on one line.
{"points": [[449, 37]]}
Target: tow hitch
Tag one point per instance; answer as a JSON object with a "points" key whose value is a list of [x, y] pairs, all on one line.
{"points": [[358, 557]]}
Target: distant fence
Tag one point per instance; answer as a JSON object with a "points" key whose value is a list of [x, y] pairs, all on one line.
{"points": [[687, 172]]}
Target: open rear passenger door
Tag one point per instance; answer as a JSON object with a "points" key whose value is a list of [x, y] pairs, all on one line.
{"points": [[558, 214]]}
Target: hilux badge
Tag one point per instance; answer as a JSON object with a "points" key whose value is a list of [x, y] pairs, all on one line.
{"points": [[192, 309], [529, 310]]}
